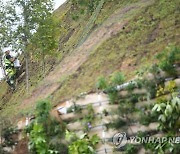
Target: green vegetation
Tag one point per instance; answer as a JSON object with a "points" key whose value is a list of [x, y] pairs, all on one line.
{"points": [[132, 33], [46, 133], [8, 134], [147, 117], [75, 108], [113, 96], [142, 37], [160, 148], [84, 145], [130, 87], [127, 50], [88, 119], [130, 149], [101, 83], [117, 78], [163, 148], [22, 27], [169, 88], [117, 124], [165, 111], [44, 41], [83, 6], [151, 88], [168, 58], [168, 114]]}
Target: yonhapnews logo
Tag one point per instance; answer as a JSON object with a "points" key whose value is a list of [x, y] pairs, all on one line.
{"points": [[120, 139]]}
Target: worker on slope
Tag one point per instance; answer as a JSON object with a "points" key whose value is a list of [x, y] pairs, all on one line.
{"points": [[10, 69]]}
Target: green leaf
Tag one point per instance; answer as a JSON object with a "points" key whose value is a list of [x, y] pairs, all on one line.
{"points": [[168, 110], [95, 139], [91, 149], [157, 108], [162, 118], [83, 135]]}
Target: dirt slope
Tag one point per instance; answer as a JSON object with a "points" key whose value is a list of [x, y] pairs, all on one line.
{"points": [[76, 58]]}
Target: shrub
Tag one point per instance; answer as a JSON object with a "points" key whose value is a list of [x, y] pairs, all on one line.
{"points": [[126, 108], [139, 83], [167, 67], [163, 147], [170, 88], [151, 87], [147, 118], [84, 145], [167, 58], [130, 87], [42, 111], [38, 140], [168, 114], [101, 83], [74, 108], [134, 98], [7, 135], [154, 69], [70, 136], [45, 132], [130, 149], [88, 119], [113, 96], [117, 78], [118, 123]]}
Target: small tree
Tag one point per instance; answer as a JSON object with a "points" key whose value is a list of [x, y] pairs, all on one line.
{"points": [[46, 134], [168, 114], [84, 145], [7, 19], [44, 39], [29, 15]]}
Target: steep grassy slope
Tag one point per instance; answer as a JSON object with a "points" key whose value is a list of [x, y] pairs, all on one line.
{"points": [[149, 32], [125, 37]]}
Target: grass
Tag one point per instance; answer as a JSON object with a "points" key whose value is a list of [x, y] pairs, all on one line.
{"points": [[149, 31], [135, 46], [109, 8], [10, 101], [4, 89]]}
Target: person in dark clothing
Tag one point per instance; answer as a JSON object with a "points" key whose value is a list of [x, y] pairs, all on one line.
{"points": [[10, 70]]}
